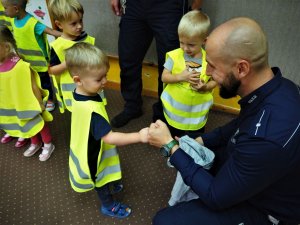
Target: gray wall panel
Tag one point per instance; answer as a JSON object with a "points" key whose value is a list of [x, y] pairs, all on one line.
{"points": [[280, 20]]}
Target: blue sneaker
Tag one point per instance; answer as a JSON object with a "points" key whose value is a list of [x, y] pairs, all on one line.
{"points": [[118, 211]]}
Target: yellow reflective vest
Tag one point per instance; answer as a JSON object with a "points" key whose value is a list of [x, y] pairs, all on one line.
{"points": [[108, 164], [29, 48], [184, 108], [4, 20], [20, 112], [64, 84]]}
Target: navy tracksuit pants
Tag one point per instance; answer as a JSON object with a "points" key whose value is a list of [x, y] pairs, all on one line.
{"points": [[143, 21]]}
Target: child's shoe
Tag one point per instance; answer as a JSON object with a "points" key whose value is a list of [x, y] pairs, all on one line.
{"points": [[50, 106], [118, 211], [46, 153], [21, 142], [6, 138], [32, 149]]}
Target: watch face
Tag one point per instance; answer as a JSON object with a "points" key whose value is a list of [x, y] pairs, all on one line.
{"points": [[164, 151]]}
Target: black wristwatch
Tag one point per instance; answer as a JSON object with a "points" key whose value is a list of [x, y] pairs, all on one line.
{"points": [[166, 149]]}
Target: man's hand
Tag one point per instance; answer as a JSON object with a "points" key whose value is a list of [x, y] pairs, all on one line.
{"points": [[159, 134], [116, 7]]}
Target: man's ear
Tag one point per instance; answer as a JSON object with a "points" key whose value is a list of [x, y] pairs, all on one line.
{"points": [[243, 68], [77, 80]]}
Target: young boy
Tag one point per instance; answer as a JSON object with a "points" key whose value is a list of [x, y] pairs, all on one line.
{"points": [[187, 96], [94, 161], [32, 42], [67, 15]]}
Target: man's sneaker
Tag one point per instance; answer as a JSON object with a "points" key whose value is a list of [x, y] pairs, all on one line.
{"points": [[32, 149], [123, 118], [118, 211], [46, 153], [50, 106]]}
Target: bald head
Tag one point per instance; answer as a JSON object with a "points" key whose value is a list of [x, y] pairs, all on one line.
{"points": [[240, 38]]}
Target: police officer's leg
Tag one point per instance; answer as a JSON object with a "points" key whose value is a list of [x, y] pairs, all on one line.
{"points": [[164, 17], [196, 213], [134, 40]]}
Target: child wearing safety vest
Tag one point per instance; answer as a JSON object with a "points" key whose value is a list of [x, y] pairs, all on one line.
{"points": [[187, 95], [31, 38], [4, 20], [22, 110], [68, 17], [94, 160]]}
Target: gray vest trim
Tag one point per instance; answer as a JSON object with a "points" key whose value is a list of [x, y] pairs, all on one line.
{"points": [[28, 126], [186, 108], [37, 63], [30, 52], [68, 87], [183, 120], [81, 173], [108, 153], [108, 170], [20, 114], [81, 186]]}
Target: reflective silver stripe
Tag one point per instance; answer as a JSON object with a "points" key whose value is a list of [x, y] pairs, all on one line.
{"points": [[68, 102], [4, 22], [108, 170], [186, 108], [37, 63], [109, 153], [68, 87], [78, 185], [28, 126], [183, 120], [81, 173], [30, 52], [20, 114], [60, 104]]}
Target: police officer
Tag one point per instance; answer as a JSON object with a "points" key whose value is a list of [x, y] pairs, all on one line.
{"points": [[257, 180]]}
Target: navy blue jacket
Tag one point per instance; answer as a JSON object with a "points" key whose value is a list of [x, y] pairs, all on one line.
{"points": [[262, 147]]}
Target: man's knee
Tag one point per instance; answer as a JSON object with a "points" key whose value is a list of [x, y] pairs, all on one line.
{"points": [[161, 218]]}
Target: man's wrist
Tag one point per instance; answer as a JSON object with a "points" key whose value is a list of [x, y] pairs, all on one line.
{"points": [[174, 149]]}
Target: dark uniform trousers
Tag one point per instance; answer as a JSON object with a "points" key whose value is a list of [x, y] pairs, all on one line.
{"points": [[144, 20]]}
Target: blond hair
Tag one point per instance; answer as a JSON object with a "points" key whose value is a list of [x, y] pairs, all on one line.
{"points": [[62, 10], [84, 56], [194, 24]]}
